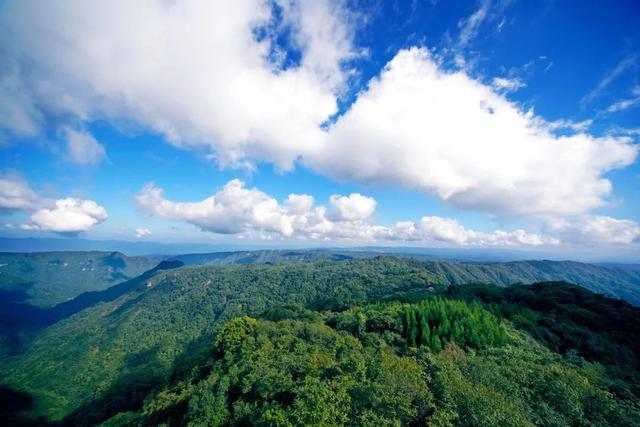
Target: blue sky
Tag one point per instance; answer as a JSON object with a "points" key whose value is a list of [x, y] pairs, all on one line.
{"points": [[425, 123]]}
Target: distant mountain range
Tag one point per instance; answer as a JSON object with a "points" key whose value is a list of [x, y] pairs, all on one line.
{"points": [[39, 289], [159, 251], [616, 280], [33, 244]]}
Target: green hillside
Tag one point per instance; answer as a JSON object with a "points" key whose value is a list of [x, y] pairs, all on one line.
{"points": [[108, 358], [365, 368], [620, 281], [44, 279]]}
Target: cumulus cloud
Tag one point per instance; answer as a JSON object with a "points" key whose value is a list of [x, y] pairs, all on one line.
{"points": [[595, 229], [235, 209], [143, 232], [200, 72], [251, 85], [438, 229], [353, 207], [82, 147], [67, 215], [448, 135]]}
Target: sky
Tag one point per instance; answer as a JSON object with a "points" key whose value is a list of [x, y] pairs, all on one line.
{"points": [[473, 124]]}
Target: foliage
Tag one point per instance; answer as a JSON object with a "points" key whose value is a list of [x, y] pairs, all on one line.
{"points": [[571, 321], [169, 316], [619, 281], [431, 323], [19, 322], [302, 372], [521, 385], [49, 278], [297, 373], [161, 351]]}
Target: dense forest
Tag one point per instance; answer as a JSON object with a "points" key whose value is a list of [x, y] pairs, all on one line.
{"points": [[376, 341], [39, 289], [378, 366], [619, 281]]}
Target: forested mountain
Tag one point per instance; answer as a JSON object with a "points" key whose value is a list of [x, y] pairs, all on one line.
{"points": [[348, 335], [619, 281], [437, 362], [37, 289], [44, 279]]}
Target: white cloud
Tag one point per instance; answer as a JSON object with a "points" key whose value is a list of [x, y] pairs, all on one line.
{"points": [[507, 85], [438, 229], [581, 126], [446, 134], [458, 49], [18, 114], [143, 232], [15, 194], [236, 209], [353, 207], [198, 72], [82, 147], [624, 104], [321, 30], [470, 26], [68, 215], [215, 74], [231, 210], [28, 227], [625, 64], [595, 229], [618, 130]]}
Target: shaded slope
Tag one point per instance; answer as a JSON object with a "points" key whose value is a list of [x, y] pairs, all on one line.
{"points": [[18, 319], [49, 278], [87, 299], [617, 282]]}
